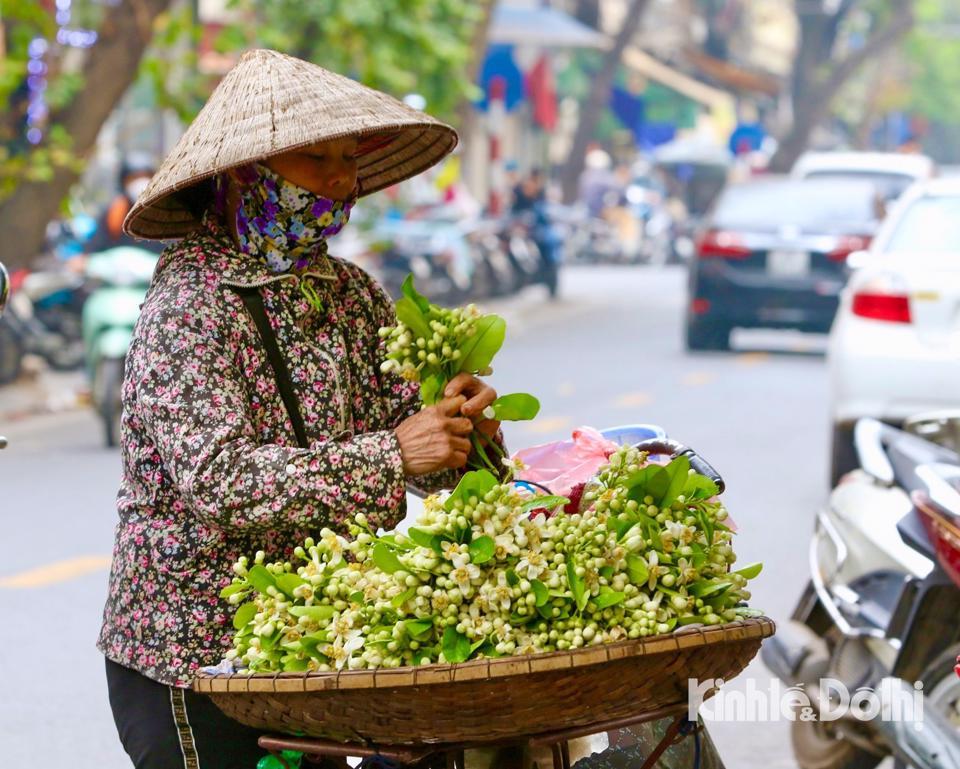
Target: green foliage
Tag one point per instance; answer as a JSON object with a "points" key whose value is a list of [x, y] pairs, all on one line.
{"points": [[933, 56], [398, 46]]}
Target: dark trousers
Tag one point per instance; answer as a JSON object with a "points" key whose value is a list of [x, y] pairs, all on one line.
{"points": [[163, 727]]}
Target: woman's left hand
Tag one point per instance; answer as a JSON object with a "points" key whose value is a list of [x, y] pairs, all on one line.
{"points": [[479, 395]]}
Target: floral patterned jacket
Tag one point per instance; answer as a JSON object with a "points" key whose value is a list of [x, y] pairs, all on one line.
{"points": [[211, 466]]}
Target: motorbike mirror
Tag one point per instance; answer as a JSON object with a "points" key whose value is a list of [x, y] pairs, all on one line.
{"points": [[858, 259], [868, 438], [4, 287]]}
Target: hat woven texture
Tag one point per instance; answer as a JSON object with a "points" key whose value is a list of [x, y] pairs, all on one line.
{"points": [[271, 103]]}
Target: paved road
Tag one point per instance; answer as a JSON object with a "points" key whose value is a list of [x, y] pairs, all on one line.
{"points": [[609, 352]]}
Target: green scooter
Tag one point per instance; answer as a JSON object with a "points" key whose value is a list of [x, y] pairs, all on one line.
{"points": [[121, 276]]}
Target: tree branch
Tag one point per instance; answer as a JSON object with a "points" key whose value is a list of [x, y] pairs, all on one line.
{"points": [[108, 70], [899, 26]]}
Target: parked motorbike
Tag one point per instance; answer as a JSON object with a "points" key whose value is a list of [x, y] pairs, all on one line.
{"points": [[881, 607], [38, 321], [536, 245], [121, 276]]}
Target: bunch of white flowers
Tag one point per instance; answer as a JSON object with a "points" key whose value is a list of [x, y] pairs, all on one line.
{"points": [[494, 569]]}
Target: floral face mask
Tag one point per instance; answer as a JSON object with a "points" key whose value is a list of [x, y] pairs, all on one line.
{"points": [[284, 224]]}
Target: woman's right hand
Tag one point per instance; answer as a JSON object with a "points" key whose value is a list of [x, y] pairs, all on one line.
{"points": [[436, 438]]}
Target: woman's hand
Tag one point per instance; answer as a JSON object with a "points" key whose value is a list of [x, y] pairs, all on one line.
{"points": [[480, 396], [436, 438]]}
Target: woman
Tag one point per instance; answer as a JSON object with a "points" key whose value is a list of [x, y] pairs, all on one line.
{"points": [[227, 447]]}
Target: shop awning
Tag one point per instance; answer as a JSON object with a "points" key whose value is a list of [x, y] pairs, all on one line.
{"points": [[646, 65], [532, 24]]}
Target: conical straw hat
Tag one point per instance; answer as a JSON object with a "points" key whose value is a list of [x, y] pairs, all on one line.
{"points": [[271, 103]]}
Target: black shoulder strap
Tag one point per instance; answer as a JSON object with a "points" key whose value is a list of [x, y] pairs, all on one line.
{"points": [[254, 303]]}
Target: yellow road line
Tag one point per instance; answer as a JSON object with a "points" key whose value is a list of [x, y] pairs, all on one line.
{"points": [[547, 424], [752, 358], [697, 378], [60, 571], [632, 400]]}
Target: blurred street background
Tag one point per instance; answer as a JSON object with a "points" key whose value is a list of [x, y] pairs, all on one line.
{"points": [[668, 200]]}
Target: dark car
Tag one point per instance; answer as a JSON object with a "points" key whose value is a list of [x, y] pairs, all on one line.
{"points": [[773, 255]]}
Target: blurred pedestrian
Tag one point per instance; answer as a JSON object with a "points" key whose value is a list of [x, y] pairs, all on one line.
{"points": [[255, 412], [528, 192], [135, 173], [596, 181]]}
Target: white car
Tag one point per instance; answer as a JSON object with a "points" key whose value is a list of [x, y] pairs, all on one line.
{"points": [[894, 348], [891, 172]]}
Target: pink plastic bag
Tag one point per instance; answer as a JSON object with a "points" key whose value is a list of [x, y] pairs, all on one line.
{"points": [[562, 465]]}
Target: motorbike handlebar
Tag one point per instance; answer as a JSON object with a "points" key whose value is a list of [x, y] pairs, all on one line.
{"points": [[676, 449]]}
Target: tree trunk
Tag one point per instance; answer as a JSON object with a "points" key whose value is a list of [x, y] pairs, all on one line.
{"points": [[599, 96], [110, 67], [816, 84]]}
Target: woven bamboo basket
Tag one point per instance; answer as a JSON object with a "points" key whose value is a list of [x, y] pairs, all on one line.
{"points": [[489, 700]]}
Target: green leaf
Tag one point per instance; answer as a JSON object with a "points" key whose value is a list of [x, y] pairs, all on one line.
{"points": [[289, 582], [700, 487], [419, 627], [672, 623], [481, 550], [690, 619], [659, 483], [703, 588], [512, 579], [425, 538], [431, 389], [236, 587], [608, 597], [678, 471], [399, 600], [356, 596], [316, 613], [479, 349], [540, 591], [260, 578], [624, 522], [311, 641], [545, 611], [385, 559], [637, 569], [292, 664], [392, 542], [476, 645], [411, 316], [577, 587], [244, 615], [637, 483], [751, 571], [455, 646], [408, 290], [699, 555], [269, 642], [606, 572], [550, 502], [517, 407], [475, 483]]}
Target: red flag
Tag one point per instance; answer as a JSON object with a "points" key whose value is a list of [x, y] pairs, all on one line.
{"points": [[542, 93]]}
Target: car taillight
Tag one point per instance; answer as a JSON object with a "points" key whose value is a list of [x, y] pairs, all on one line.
{"points": [[944, 533], [718, 244], [847, 245], [879, 305]]}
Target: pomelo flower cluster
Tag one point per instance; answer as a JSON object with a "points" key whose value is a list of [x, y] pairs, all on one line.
{"points": [[494, 569]]}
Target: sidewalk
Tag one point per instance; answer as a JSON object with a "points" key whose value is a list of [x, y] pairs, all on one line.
{"points": [[41, 390]]}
